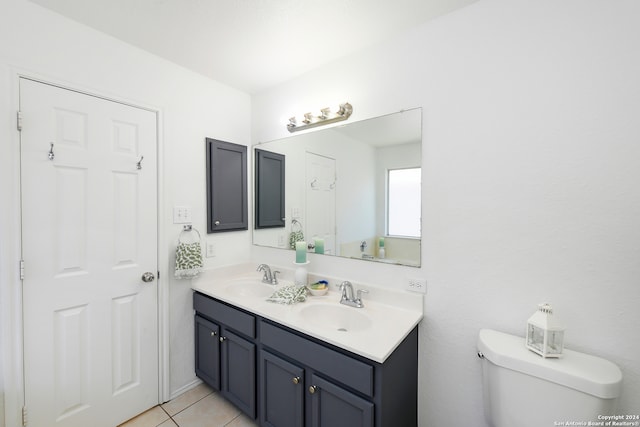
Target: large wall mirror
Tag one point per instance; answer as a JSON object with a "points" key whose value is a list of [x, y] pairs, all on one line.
{"points": [[351, 191]]}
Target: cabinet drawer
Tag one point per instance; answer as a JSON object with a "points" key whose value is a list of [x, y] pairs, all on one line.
{"points": [[350, 372], [233, 318]]}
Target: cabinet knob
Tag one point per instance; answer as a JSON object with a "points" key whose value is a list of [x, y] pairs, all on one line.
{"points": [[214, 333], [222, 339], [296, 380], [216, 223], [312, 389]]}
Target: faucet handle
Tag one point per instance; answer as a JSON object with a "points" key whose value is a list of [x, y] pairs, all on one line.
{"points": [[275, 277], [359, 294], [358, 301]]}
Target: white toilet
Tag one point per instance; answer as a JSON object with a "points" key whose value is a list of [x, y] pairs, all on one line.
{"points": [[522, 389]]}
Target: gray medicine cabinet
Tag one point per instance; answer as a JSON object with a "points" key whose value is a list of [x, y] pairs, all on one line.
{"points": [[226, 186]]}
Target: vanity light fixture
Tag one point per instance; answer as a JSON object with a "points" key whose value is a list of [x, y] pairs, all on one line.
{"points": [[325, 117]]}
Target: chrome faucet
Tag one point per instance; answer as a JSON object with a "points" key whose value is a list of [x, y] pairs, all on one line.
{"points": [[347, 295], [270, 278]]}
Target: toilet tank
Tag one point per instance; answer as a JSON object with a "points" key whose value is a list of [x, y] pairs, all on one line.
{"points": [[522, 389]]}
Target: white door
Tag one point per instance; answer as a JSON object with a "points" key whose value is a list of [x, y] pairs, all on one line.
{"points": [[321, 200], [89, 230]]}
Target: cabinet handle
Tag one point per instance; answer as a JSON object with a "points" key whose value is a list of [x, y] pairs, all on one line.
{"points": [[312, 389], [296, 380], [214, 333], [222, 339]]}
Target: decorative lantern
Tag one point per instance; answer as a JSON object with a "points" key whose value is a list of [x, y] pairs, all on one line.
{"points": [[544, 334]]}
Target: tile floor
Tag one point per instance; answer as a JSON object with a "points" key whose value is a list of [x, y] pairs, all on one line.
{"points": [[199, 407]]}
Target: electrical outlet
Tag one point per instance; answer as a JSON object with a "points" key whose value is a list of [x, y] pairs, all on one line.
{"points": [[211, 250], [281, 241], [417, 285]]}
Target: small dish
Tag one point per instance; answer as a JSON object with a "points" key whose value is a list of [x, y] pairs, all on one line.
{"points": [[318, 292], [319, 288]]}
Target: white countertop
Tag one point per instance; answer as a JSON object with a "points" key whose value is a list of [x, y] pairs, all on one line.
{"points": [[392, 313]]}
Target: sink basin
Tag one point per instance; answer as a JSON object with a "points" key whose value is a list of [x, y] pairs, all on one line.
{"points": [[337, 318], [250, 288]]}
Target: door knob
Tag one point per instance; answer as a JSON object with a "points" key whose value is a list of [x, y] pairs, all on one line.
{"points": [[148, 277]]}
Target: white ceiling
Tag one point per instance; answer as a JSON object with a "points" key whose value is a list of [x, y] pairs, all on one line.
{"points": [[252, 44]]}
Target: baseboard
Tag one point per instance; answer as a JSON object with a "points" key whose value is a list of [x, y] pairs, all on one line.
{"points": [[185, 388]]}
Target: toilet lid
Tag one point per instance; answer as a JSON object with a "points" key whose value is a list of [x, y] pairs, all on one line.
{"points": [[589, 374]]}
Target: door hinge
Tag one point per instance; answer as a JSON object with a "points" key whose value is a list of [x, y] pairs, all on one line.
{"points": [[21, 269], [24, 416], [19, 121]]}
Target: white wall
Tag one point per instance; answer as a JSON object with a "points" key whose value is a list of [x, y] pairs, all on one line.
{"points": [[43, 44], [531, 148]]}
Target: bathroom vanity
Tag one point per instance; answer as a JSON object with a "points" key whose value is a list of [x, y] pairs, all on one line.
{"points": [[282, 373]]}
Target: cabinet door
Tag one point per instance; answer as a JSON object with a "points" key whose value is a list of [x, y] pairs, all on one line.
{"points": [[207, 352], [226, 186], [238, 371], [281, 392], [269, 189], [333, 406]]}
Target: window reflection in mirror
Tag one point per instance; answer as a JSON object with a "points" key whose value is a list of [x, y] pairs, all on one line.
{"points": [[353, 207], [403, 202]]}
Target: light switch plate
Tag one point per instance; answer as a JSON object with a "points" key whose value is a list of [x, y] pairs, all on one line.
{"points": [[182, 215]]}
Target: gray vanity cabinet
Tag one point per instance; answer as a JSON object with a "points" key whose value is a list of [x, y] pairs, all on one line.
{"points": [[282, 398], [225, 351], [238, 373], [302, 381], [333, 406], [208, 351], [281, 392], [332, 380]]}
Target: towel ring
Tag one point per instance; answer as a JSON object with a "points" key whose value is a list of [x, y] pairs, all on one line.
{"points": [[293, 223], [188, 229]]}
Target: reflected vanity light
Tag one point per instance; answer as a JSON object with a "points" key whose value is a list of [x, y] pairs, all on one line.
{"points": [[326, 117]]}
